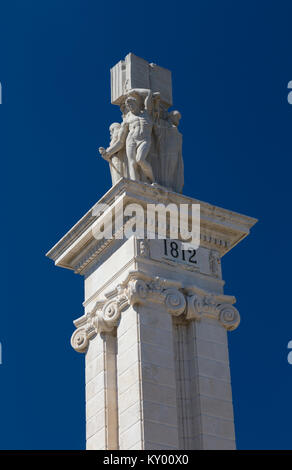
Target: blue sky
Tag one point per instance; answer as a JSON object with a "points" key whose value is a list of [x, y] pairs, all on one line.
{"points": [[231, 63]]}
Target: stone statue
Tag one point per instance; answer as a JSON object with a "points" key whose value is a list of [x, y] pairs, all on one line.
{"points": [[147, 145], [138, 124], [117, 160], [135, 134], [175, 164]]}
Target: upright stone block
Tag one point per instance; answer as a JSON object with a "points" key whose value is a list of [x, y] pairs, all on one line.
{"points": [[212, 400], [134, 72], [146, 403], [155, 328], [101, 394]]}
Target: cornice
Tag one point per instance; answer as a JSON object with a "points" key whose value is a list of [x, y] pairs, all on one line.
{"points": [[221, 229]]}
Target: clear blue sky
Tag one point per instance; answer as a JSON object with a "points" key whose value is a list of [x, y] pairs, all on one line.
{"points": [[231, 63]]}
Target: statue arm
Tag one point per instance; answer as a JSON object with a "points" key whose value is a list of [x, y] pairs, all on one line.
{"points": [[144, 92], [152, 104], [120, 142], [148, 103]]}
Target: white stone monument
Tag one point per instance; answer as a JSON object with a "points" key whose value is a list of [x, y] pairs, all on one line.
{"points": [[155, 322]]}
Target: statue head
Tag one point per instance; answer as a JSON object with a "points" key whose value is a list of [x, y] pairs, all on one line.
{"points": [[133, 104], [174, 117], [114, 127]]}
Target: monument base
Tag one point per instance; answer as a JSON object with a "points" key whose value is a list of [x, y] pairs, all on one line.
{"points": [[154, 331]]}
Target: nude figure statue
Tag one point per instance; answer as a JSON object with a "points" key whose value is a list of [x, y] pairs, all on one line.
{"points": [[135, 133], [117, 161]]}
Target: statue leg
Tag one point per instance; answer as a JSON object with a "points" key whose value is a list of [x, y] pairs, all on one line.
{"points": [[142, 153], [131, 150], [116, 169]]}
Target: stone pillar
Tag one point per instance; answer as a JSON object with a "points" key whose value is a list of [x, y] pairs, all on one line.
{"points": [[203, 386], [210, 378], [95, 376], [154, 330], [146, 380], [204, 397], [101, 393]]}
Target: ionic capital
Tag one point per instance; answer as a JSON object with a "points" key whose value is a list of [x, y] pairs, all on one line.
{"points": [[140, 289], [211, 306]]}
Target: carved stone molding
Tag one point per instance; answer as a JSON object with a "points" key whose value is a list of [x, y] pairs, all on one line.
{"points": [[209, 306], [140, 289], [144, 248], [220, 230], [137, 289], [102, 318], [229, 316], [214, 262], [158, 291], [175, 302], [80, 339]]}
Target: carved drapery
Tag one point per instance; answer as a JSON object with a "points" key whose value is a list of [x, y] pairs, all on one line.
{"points": [[139, 289]]}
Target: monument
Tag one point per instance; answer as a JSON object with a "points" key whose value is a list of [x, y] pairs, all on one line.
{"points": [[156, 318]]}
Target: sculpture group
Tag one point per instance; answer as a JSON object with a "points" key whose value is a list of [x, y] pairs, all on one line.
{"points": [[147, 145]]}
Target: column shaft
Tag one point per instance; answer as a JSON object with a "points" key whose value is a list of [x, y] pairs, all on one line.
{"points": [[146, 380], [101, 393], [212, 397]]}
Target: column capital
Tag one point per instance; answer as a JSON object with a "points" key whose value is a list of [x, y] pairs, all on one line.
{"points": [[210, 306], [141, 289]]}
